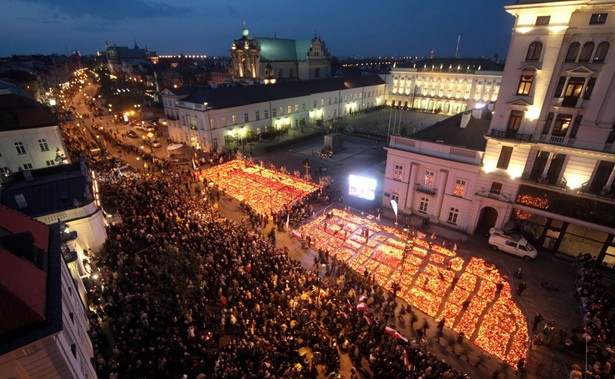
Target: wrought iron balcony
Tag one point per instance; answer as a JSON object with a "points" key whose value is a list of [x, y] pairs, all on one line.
{"points": [[426, 189]]}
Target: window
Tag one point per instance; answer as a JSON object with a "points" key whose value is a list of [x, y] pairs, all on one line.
{"points": [[460, 188], [314, 104], [399, 172], [573, 51], [589, 88], [27, 166], [73, 349], [296, 107], [317, 73], [428, 179], [258, 115], [533, 51], [562, 123], [424, 204], [525, 85], [514, 122], [50, 163], [395, 196], [280, 73], [21, 149], [560, 86], [273, 113], [234, 119], [289, 109], [496, 188], [266, 113], [505, 155], [598, 18], [586, 52], [601, 50], [281, 111], [574, 87], [72, 317], [246, 118], [453, 214], [43, 144], [223, 121], [543, 20]]}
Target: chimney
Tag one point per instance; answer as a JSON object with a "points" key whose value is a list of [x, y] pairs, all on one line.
{"points": [[465, 119]]}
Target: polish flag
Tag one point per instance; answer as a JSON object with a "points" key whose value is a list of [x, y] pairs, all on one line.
{"points": [[344, 314], [395, 333], [406, 359], [361, 307], [369, 320], [296, 234], [362, 299]]}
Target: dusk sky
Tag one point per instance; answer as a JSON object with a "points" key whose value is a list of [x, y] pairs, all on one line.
{"points": [[359, 27]]}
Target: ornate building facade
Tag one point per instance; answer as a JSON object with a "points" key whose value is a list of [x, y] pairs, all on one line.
{"points": [[256, 59]]}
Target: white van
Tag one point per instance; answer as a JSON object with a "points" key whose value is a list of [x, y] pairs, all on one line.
{"points": [[512, 244]]}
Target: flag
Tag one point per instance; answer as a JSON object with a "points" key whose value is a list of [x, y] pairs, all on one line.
{"points": [[406, 359], [454, 247], [362, 299], [392, 332], [323, 293], [361, 307], [296, 234], [344, 314], [287, 219], [369, 320]]}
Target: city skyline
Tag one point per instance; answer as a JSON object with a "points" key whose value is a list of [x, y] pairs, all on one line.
{"points": [[397, 28]]}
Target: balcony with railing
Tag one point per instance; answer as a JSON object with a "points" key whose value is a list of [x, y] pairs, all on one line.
{"points": [[569, 102], [558, 140], [426, 189], [510, 135], [545, 181]]}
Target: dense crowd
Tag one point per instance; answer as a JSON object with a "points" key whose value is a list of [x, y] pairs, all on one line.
{"points": [[597, 308], [184, 291]]}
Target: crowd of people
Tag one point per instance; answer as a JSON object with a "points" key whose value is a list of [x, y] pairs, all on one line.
{"points": [[597, 303], [185, 292]]}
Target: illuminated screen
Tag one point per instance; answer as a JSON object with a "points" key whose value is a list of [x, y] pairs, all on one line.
{"points": [[362, 187]]}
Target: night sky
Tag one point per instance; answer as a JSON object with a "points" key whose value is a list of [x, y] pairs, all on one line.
{"points": [[358, 27]]}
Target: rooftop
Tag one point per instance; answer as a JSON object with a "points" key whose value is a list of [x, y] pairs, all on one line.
{"points": [[51, 190], [20, 112]]}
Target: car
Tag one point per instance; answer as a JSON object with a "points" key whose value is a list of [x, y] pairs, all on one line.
{"points": [[511, 243], [132, 134]]}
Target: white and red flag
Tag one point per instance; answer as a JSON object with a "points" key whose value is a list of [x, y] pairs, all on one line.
{"points": [[392, 332], [361, 307]]}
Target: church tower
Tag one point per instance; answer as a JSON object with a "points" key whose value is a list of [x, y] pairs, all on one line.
{"points": [[245, 54]]}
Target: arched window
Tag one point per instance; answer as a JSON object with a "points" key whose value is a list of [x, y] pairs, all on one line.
{"points": [[573, 51], [586, 52], [533, 51], [601, 50]]}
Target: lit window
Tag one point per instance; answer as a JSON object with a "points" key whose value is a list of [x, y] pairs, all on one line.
{"points": [[460, 188], [525, 85], [296, 107], [399, 172], [234, 119], [453, 214], [428, 180], [496, 188], [424, 204], [289, 109], [543, 20]]}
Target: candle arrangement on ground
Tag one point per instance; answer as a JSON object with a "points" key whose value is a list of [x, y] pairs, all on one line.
{"points": [[264, 190], [471, 295]]}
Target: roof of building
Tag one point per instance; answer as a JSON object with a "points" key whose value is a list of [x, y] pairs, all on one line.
{"points": [[449, 132], [282, 49], [11, 88], [20, 112], [227, 97], [69, 184], [455, 65], [30, 291]]}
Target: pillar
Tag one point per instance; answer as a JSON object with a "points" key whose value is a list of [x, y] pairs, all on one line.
{"points": [[414, 167], [440, 193]]}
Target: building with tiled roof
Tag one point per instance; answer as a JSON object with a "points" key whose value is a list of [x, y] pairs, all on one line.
{"points": [[43, 322], [214, 117], [256, 59], [123, 60], [30, 136], [444, 85]]}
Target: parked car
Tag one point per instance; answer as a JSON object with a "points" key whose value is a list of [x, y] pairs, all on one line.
{"points": [[132, 134], [511, 243]]}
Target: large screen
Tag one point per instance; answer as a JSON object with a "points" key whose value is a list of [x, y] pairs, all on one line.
{"points": [[362, 187]]}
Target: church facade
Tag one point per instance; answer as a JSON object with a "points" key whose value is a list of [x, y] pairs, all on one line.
{"points": [[262, 59]]}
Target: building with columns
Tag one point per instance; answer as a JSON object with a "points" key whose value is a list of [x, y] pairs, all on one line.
{"points": [[444, 85], [553, 129], [548, 165], [256, 59]]}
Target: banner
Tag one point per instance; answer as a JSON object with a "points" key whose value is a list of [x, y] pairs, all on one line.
{"points": [[394, 206]]}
